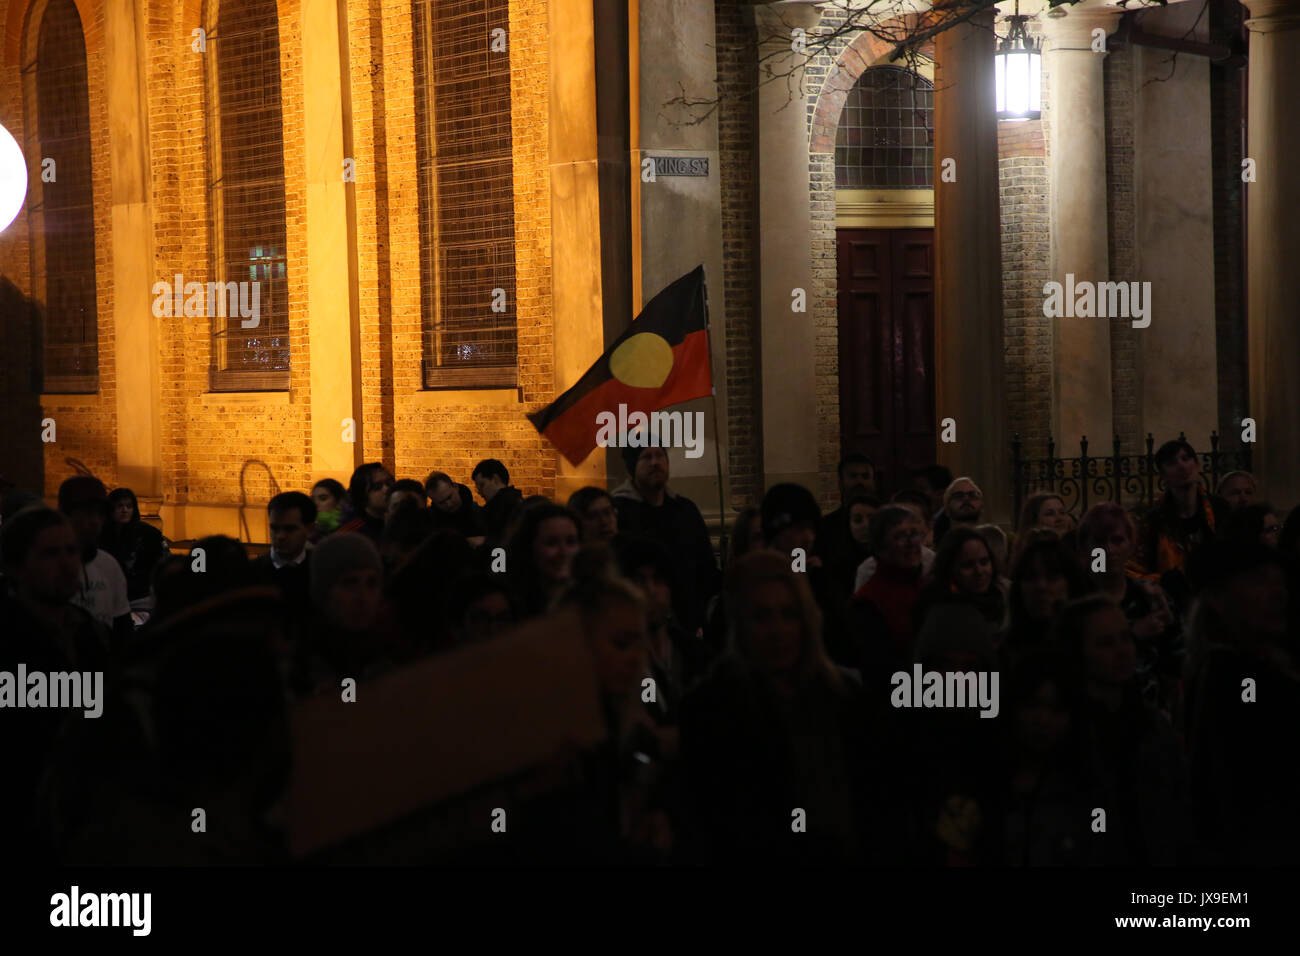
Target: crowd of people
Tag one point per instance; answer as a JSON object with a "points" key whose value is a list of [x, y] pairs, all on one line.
{"points": [[1148, 666]]}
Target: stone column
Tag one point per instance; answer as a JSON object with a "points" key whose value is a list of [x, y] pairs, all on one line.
{"points": [[788, 338], [680, 217], [968, 349], [576, 288], [1081, 393], [1273, 245], [330, 290], [135, 329]]}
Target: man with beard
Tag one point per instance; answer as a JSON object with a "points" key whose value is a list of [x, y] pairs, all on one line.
{"points": [[648, 508], [963, 503]]}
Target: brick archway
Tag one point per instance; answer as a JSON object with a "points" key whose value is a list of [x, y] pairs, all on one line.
{"points": [[866, 51]]}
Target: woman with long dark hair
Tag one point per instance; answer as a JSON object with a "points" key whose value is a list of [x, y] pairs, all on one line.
{"points": [[539, 557], [965, 570]]}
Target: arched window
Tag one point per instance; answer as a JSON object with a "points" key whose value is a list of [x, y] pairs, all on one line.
{"points": [[63, 220], [467, 230], [886, 134], [246, 198]]}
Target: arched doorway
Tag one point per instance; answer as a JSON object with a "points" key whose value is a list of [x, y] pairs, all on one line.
{"points": [[884, 168]]}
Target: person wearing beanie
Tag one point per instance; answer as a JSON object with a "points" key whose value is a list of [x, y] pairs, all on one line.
{"points": [[647, 507], [103, 594], [347, 640]]}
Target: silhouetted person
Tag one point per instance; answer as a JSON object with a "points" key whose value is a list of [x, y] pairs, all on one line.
{"points": [[137, 546], [84, 499], [500, 498], [454, 508], [646, 506]]}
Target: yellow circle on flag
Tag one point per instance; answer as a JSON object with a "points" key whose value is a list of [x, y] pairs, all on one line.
{"points": [[643, 361]]}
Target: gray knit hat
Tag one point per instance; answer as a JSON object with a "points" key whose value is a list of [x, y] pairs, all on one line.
{"points": [[335, 556]]}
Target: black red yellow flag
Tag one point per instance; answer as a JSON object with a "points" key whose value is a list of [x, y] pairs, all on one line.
{"points": [[662, 359]]}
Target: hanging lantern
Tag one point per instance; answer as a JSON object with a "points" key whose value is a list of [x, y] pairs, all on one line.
{"points": [[1019, 65]]}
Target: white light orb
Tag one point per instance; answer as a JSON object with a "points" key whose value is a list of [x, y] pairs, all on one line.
{"points": [[13, 179]]}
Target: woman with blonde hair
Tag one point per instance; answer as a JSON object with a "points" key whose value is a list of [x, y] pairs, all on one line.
{"points": [[778, 742]]}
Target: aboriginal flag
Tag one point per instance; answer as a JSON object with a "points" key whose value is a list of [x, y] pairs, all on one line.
{"points": [[662, 359]]}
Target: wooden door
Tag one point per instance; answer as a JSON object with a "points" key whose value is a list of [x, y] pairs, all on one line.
{"points": [[886, 348]]}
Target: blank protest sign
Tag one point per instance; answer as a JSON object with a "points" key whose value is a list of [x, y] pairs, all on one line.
{"points": [[440, 728]]}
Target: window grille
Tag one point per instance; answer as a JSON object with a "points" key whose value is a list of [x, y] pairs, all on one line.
{"points": [[63, 218], [466, 193], [246, 198], [885, 138]]}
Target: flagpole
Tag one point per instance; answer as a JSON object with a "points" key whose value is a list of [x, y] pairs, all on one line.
{"points": [[717, 435]]}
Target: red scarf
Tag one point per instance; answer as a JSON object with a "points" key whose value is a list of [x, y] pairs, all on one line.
{"points": [[894, 592]]}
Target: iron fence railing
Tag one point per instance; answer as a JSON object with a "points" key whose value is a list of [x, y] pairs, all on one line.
{"points": [[1130, 480]]}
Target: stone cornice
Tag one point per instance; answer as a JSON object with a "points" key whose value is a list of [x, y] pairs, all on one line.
{"points": [[1272, 14], [1074, 30]]}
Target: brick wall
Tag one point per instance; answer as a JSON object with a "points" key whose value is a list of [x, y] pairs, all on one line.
{"points": [[822, 297], [1022, 168], [85, 426], [454, 437], [737, 78], [222, 449], [1125, 341]]}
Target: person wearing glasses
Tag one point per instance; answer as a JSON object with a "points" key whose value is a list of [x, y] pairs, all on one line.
{"points": [[1259, 522], [963, 503]]}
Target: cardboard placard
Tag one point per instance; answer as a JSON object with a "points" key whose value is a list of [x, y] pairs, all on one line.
{"points": [[440, 728]]}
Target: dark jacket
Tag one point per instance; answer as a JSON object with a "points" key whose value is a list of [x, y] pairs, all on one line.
{"points": [[1165, 540], [497, 512], [467, 520], [293, 580], [1142, 782], [370, 526], [751, 760], [30, 733], [138, 548], [840, 552], [679, 526], [1244, 777]]}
